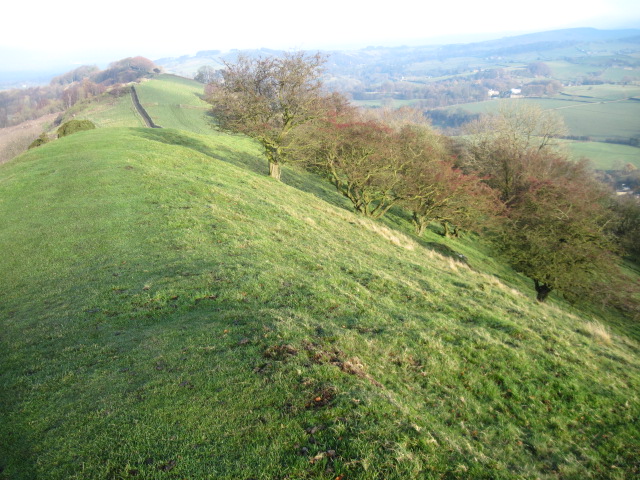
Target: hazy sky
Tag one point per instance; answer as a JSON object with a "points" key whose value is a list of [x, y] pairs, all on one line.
{"points": [[77, 31]]}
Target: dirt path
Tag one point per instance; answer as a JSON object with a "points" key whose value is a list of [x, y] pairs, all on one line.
{"points": [[143, 113]]}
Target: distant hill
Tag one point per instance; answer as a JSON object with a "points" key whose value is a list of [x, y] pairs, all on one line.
{"points": [[550, 45]]}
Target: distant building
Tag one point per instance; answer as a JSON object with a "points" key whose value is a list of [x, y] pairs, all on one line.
{"points": [[493, 93]]}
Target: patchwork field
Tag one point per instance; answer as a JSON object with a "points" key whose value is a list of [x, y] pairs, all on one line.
{"points": [[598, 113]]}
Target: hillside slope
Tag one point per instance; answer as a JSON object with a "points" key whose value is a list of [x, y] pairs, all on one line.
{"points": [[176, 102], [169, 313]]}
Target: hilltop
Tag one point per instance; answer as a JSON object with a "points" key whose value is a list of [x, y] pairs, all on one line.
{"points": [[452, 83], [169, 311]]}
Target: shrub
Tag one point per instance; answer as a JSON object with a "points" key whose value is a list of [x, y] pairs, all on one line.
{"points": [[41, 140], [73, 126]]}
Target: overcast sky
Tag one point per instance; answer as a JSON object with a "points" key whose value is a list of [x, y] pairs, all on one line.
{"points": [[75, 31]]}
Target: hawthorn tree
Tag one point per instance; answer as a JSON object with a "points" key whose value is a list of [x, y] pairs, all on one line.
{"points": [[361, 158], [556, 235], [433, 189], [126, 70], [556, 228], [268, 98], [206, 74], [437, 191], [499, 146], [73, 126], [626, 227]]}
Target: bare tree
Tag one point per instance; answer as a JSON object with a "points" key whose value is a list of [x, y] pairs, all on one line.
{"points": [[500, 146], [267, 98], [361, 158]]}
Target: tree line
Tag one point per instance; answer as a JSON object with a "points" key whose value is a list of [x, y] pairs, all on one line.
{"points": [[64, 91], [464, 86], [547, 216]]}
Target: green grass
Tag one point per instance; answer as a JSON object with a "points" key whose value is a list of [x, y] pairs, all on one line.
{"points": [[600, 117], [175, 102], [171, 101], [169, 311], [107, 111], [569, 71], [605, 156], [603, 120], [589, 117], [603, 92]]}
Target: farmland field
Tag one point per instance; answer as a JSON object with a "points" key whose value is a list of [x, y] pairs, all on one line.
{"points": [[107, 111], [606, 114], [605, 156], [602, 92]]}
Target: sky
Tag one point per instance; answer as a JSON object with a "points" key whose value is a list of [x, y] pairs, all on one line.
{"points": [[36, 34]]}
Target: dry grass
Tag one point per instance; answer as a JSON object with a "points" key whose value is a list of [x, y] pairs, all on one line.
{"points": [[15, 140], [395, 237], [598, 332]]}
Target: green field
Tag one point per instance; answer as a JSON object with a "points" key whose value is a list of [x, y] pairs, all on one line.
{"points": [[605, 156], [568, 71], [107, 111], [602, 92], [175, 102], [171, 101], [598, 117], [169, 311]]}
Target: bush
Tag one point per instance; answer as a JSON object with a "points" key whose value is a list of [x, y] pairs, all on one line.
{"points": [[41, 140], [73, 126]]}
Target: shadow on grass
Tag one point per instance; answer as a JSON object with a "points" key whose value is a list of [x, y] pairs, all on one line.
{"points": [[220, 152], [172, 137], [17, 454], [445, 251], [291, 175], [400, 220], [312, 183]]}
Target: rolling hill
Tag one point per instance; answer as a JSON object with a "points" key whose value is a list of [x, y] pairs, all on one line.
{"points": [[169, 311], [599, 71]]}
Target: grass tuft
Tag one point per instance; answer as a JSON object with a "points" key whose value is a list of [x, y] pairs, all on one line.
{"points": [[598, 332]]}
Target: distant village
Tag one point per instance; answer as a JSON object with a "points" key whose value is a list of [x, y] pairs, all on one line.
{"points": [[512, 93]]}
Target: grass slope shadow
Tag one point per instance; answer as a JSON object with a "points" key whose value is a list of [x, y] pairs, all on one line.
{"points": [[292, 176]]}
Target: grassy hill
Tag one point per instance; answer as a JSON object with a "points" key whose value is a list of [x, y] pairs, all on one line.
{"points": [[169, 311], [172, 101], [175, 102]]}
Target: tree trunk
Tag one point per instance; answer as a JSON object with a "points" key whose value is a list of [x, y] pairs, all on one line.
{"points": [[274, 170], [419, 223], [543, 291]]}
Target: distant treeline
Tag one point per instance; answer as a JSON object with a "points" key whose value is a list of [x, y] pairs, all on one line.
{"points": [[632, 142], [449, 119], [64, 91], [461, 89]]}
